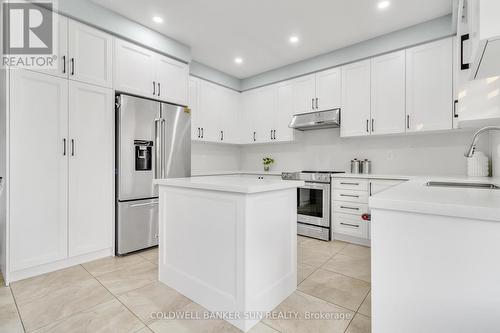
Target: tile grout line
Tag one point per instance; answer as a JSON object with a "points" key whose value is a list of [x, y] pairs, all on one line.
{"points": [[17, 308], [116, 297]]}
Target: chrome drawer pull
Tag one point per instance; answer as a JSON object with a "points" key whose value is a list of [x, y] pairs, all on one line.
{"points": [[353, 208], [350, 225], [355, 184], [349, 196]]}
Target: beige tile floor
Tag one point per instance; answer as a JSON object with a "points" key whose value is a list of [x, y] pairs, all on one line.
{"points": [[120, 294]]}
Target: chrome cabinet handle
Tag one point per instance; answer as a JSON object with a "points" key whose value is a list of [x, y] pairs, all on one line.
{"points": [[159, 89], [72, 147], [373, 122], [72, 66], [64, 64], [408, 121], [312, 103], [254, 139], [352, 208], [274, 135], [202, 132], [154, 88], [367, 126], [317, 105], [356, 184], [271, 134], [221, 135], [199, 133], [64, 147], [349, 195], [350, 225]]}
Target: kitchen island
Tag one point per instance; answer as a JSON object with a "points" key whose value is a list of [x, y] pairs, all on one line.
{"points": [[229, 243], [435, 255]]}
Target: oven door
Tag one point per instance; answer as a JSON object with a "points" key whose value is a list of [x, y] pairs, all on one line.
{"points": [[313, 204]]}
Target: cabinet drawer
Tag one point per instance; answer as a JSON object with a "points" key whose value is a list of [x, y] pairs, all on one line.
{"points": [[350, 225], [350, 196], [350, 184], [350, 207]]}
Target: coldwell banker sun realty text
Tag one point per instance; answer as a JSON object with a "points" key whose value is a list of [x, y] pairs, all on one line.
{"points": [[29, 34]]}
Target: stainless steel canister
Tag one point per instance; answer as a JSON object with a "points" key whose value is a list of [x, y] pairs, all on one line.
{"points": [[355, 166], [366, 166]]}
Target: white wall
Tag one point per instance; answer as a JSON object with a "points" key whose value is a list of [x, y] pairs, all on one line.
{"points": [[214, 157], [420, 154]]}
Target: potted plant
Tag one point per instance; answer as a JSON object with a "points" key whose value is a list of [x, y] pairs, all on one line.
{"points": [[267, 161]]}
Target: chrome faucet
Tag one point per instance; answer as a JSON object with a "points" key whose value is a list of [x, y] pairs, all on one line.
{"points": [[470, 152]]}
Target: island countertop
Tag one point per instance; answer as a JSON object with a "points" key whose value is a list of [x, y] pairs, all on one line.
{"points": [[414, 196], [230, 184]]}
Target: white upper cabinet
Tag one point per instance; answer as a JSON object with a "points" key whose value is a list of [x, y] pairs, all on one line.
{"points": [[284, 113], [134, 69], [91, 166], [429, 86], [38, 160], [260, 106], [388, 93], [90, 55], [304, 94], [142, 72], [328, 89], [172, 80], [356, 117]]}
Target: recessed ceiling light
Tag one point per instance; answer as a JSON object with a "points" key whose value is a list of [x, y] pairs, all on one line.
{"points": [[238, 60], [294, 39], [157, 19], [383, 4]]}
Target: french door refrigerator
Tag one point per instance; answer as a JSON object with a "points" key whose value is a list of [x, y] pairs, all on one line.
{"points": [[153, 140]]}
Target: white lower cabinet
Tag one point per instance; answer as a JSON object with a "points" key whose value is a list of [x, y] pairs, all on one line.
{"points": [[350, 202], [91, 161], [61, 172]]}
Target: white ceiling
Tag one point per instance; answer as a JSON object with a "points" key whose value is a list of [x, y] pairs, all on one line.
{"points": [[258, 30]]}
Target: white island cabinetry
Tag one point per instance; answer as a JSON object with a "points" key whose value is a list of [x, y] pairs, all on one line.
{"points": [[229, 243]]}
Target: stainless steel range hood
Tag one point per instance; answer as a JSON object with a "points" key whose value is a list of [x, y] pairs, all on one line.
{"points": [[316, 120]]}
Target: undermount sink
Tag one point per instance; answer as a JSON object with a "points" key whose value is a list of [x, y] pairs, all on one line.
{"points": [[464, 185]]}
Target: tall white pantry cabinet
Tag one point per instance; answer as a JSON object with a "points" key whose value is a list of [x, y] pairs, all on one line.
{"points": [[57, 155]]}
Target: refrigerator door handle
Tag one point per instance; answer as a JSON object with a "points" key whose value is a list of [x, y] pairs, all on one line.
{"points": [[162, 151], [158, 147]]}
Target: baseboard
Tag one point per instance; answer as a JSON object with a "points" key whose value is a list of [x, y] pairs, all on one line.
{"points": [[57, 265]]}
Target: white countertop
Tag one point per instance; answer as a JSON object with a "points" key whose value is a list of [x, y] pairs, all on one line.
{"points": [[371, 176], [230, 184], [415, 196], [236, 172]]}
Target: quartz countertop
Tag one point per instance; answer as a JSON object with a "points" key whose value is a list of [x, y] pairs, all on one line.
{"points": [[236, 172], [414, 196], [230, 184]]}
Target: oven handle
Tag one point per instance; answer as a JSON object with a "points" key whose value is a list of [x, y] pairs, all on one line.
{"points": [[316, 186]]}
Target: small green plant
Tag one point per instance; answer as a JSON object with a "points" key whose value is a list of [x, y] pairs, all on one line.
{"points": [[267, 161]]}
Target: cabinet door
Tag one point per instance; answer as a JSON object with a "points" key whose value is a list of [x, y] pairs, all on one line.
{"points": [[91, 54], [355, 117], [172, 78], [328, 89], [284, 112], [263, 113], [134, 69], [210, 100], [195, 111], [429, 86], [91, 166], [247, 127], [304, 94], [229, 108], [60, 48], [38, 161], [388, 96]]}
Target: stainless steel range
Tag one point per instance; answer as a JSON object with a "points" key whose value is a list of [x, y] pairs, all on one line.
{"points": [[313, 203]]}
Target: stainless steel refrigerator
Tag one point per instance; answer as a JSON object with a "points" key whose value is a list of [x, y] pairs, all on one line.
{"points": [[153, 140]]}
